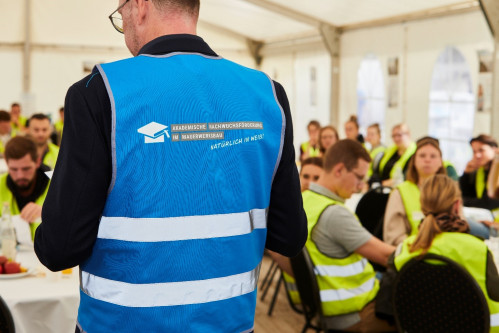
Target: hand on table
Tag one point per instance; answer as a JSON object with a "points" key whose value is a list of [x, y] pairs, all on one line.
{"points": [[491, 224], [31, 212]]}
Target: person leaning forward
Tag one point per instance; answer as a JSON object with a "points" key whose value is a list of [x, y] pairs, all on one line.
{"points": [[169, 225], [25, 185], [338, 244]]}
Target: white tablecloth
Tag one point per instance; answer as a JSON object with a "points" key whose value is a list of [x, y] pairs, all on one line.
{"points": [[42, 304]]}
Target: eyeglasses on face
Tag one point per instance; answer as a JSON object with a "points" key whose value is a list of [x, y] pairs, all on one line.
{"points": [[116, 19]]}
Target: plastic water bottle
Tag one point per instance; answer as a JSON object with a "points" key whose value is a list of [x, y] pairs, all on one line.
{"points": [[8, 234]]}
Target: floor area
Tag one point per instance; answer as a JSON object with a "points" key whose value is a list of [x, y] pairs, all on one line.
{"points": [[283, 318]]}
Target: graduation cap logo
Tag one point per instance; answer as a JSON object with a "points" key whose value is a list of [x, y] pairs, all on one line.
{"points": [[154, 132]]}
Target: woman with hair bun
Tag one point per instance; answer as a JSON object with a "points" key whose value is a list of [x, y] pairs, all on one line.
{"points": [[445, 233], [352, 129]]}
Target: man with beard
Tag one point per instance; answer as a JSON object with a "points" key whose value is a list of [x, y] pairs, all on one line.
{"points": [[25, 185], [39, 129]]}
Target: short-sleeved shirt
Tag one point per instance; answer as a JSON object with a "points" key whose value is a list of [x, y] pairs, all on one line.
{"points": [[337, 234]]}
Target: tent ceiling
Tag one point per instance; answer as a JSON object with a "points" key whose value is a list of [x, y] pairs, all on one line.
{"points": [[274, 20]]}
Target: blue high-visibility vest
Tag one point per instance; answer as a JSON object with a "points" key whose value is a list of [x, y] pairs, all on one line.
{"points": [[196, 141]]}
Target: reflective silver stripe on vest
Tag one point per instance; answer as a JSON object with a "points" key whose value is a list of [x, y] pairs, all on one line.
{"points": [[181, 228], [338, 270], [331, 295], [494, 320], [171, 293]]}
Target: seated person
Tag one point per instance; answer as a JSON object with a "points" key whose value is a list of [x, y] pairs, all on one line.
{"points": [[403, 210], [377, 148], [328, 136], [443, 232], [39, 130], [18, 122], [473, 182], [396, 157], [311, 147], [5, 130], [352, 130], [25, 186], [311, 169], [338, 244]]}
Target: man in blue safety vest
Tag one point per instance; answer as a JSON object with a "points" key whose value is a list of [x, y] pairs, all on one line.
{"points": [[176, 171]]}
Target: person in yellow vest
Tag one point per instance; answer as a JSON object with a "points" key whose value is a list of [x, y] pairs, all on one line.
{"points": [[444, 232], [18, 122], [473, 182], [311, 168], [377, 148], [395, 160], [311, 147], [5, 130], [403, 210], [352, 129], [59, 126], [338, 244], [39, 131], [328, 136], [25, 185]]}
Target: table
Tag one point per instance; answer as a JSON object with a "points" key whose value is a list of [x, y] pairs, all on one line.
{"points": [[42, 304]]}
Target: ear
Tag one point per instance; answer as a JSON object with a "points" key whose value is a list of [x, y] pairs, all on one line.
{"points": [[338, 168], [143, 6]]}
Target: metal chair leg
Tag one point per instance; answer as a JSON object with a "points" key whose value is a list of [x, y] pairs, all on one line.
{"points": [[276, 293], [269, 282]]}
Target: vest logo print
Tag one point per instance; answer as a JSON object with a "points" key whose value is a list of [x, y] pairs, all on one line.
{"points": [[154, 132]]}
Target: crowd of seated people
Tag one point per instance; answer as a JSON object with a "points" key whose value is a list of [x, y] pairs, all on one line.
{"points": [[424, 213], [28, 152]]}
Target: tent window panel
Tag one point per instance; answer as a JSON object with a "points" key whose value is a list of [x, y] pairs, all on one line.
{"points": [[451, 109], [371, 97]]}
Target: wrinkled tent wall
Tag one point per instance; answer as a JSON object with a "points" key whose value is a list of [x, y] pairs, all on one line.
{"points": [[417, 44], [65, 35]]}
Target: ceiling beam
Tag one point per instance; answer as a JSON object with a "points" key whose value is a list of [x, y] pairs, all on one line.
{"points": [[222, 30], [459, 8], [490, 10], [288, 12]]}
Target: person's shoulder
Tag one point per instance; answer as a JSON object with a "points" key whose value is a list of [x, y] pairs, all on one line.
{"points": [[90, 82], [337, 214]]}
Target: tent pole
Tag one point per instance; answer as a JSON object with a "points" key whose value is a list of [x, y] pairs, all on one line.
{"points": [[27, 48], [331, 39]]}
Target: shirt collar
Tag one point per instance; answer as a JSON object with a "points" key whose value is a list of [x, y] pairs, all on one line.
{"points": [[177, 43], [326, 192]]}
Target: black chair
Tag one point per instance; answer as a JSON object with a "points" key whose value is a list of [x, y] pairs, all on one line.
{"points": [[6, 320], [306, 283], [371, 210], [435, 294]]}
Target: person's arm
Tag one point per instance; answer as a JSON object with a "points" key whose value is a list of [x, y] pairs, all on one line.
{"points": [[493, 179], [78, 190], [377, 251], [467, 185], [283, 262], [396, 226], [287, 222], [492, 278]]}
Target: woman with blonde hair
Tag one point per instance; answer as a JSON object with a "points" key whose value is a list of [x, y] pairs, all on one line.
{"points": [[403, 210], [445, 233]]}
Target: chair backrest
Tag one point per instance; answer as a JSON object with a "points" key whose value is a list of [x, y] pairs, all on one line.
{"points": [[435, 294], [306, 283], [371, 210], [6, 320]]}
